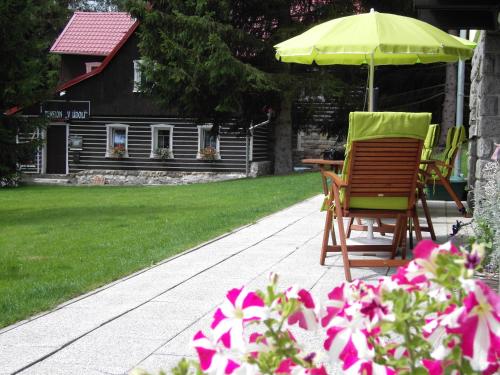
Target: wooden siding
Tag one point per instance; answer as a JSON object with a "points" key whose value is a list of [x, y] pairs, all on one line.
{"points": [[185, 147], [260, 151], [36, 165]]}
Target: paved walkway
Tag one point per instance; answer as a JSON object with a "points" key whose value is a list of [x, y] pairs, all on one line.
{"points": [[146, 320]]}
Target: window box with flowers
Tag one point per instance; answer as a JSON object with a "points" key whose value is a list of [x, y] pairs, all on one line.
{"points": [[208, 144], [117, 141], [209, 154], [118, 151], [163, 154], [162, 136]]}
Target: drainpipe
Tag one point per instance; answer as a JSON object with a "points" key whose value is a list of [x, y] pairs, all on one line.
{"points": [[459, 118], [247, 141], [247, 151]]}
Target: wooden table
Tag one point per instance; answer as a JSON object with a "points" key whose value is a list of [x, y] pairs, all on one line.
{"points": [[325, 165]]}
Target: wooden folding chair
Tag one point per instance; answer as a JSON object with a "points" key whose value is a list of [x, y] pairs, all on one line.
{"points": [[439, 171], [427, 148], [379, 180]]}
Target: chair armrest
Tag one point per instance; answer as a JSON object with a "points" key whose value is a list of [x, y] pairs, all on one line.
{"points": [[335, 178], [438, 163]]}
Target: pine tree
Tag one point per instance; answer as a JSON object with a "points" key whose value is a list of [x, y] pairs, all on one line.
{"points": [[27, 73], [214, 59]]}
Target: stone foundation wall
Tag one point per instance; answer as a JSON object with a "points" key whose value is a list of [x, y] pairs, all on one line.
{"points": [[484, 129], [119, 177]]}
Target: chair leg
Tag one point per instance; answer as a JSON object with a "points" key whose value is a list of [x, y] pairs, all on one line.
{"points": [[379, 224], [342, 236], [326, 235], [416, 224], [444, 181], [400, 226], [349, 227], [427, 214], [454, 196], [403, 243], [332, 228]]}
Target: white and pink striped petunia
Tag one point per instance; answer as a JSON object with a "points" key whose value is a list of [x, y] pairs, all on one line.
{"points": [[480, 327], [212, 359], [289, 367], [307, 313], [356, 366], [347, 336], [240, 307]]}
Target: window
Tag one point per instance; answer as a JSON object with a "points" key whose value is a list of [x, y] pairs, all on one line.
{"points": [[117, 141], [208, 143], [137, 76], [89, 66], [162, 141]]}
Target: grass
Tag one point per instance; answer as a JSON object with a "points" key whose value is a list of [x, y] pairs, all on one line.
{"points": [[59, 242]]}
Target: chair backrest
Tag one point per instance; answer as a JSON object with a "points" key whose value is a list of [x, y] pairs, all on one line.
{"points": [[382, 159], [454, 139], [429, 143]]}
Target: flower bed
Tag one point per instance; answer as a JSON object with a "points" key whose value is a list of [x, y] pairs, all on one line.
{"points": [[430, 317]]}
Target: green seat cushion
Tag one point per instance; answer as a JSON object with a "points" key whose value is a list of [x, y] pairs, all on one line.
{"points": [[373, 125], [384, 203]]}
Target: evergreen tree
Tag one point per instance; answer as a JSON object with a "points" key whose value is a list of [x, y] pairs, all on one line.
{"points": [[27, 73], [214, 59], [96, 5]]}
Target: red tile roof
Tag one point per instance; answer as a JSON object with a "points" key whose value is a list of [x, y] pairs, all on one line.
{"points": [[93, 33]]}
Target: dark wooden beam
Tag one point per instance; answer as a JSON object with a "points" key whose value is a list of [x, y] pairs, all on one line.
{"points": [[459, 14]]}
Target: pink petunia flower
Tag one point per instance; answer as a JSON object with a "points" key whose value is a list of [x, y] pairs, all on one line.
{"points": [[343, 297], [419, 273], [480, 327], [288, 366], [437, 327], [306, 315], [375, 309], [356, 366], [241, 306], [347, 336], [212, 359]]}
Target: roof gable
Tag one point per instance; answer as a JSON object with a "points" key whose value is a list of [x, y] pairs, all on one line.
{"points": [[93, 33]]}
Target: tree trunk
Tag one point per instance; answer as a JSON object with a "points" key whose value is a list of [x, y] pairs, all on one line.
{"points": [[283, 139], [450, 100]]}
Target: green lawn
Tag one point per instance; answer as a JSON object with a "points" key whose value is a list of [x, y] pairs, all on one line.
{"points": [[59, 242]]}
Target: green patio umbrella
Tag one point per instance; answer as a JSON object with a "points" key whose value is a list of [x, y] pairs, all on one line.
{"points": [[374, 39]]}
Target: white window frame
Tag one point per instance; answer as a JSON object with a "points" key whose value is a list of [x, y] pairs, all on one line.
{"points": [[201, 134], [89, 66], [137, 76], [154, 139], [109, 134]]}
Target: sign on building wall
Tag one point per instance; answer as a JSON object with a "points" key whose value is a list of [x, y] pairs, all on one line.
{"points": [[66, 109]]}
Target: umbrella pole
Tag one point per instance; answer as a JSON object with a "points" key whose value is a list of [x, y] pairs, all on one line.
{"points": [[371, 73]]}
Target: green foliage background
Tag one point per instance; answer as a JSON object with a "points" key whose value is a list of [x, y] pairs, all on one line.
{"points": [[27, 72]]}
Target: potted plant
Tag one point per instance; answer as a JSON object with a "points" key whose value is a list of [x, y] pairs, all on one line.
{"points": [[118, 151], [209, 153], [163, 153]]}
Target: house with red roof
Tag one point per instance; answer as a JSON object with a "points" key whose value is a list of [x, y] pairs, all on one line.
{"points": [[104, 129]]}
